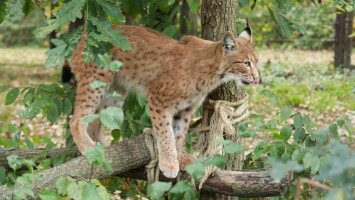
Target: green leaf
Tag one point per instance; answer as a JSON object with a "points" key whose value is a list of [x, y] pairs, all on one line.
{"points": [[280, 169], [156, 190], [285, 113], [62, 185], [97, 84], [2, 175], [115, 66], [104, 59], [196, 169], [29, 163], [68, 106], [96, 155], [333, 130], [112, 35], [28, 7], [51, 112], [298, 155], [90, 192], [216, 160], [282, 22], [15, 162], [298, 120], [260, 149], [233, 148], [3, 10], [90, 118], [141, 99], [12, 96], [171, 31], [285, 132], [29, 144], [193, 5], [284, 5], [243, 3], [74, 191], [111, 117], [24, 186], [29, 96], [68, 13], [101, 190], [273, 97], [47, 194], [56, 56], [311, 161], [181, 187], [299, 135], [111, 9]]}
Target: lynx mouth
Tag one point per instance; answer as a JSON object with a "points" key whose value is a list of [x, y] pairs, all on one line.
{"points": [[251, 82]]}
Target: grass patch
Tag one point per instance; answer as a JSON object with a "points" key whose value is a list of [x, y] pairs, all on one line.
{"points": [[308, 85]]}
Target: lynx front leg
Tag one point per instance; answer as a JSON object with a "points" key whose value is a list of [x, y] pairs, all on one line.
{"points": [[181, 126], [162, 126]]}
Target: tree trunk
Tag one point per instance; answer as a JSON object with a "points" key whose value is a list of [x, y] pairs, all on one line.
{"points": [[217, 17], [342, 42], [134, 154], [188, 20]]}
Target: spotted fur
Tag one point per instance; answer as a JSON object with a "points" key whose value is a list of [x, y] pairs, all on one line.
{"points": [[176, 76]]}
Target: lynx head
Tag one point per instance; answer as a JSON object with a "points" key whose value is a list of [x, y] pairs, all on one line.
{"points": [[241, 59]]}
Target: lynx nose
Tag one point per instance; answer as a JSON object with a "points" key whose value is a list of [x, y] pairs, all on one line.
{"points": [[256, 76]]}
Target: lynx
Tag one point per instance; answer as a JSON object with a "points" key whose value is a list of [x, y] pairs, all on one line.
{"points": [[175, 76]]}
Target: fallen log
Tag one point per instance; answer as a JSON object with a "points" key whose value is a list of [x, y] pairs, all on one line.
{"points": [[128, 155], [40, 153]]}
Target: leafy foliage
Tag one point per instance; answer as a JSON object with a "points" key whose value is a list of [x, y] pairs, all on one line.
{"points": [[68, 13], [302, 148], [3, 8], [96, 155], [157, 189], [296, 144]]}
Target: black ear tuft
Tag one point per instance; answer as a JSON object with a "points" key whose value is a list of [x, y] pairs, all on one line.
{"points": [[246, 34], [248, 30]]}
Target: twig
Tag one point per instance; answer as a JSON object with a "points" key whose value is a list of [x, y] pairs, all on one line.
{"points": [[310, 182], [199, 129]]}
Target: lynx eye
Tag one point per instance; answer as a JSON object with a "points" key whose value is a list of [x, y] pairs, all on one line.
{"points": [[247, 64]]}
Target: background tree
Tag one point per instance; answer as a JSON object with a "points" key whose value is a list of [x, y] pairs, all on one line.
{"points": [[218, 17], [343, 35]]}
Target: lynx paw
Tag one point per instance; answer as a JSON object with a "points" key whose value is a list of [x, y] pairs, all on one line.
{"points": [[170, 168]]}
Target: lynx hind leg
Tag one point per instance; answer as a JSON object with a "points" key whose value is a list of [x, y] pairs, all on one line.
{"points": [[96, 129], [86, 103], [162, 127], [181, 126]]}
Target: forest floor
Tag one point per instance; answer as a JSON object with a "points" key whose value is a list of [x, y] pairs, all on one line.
{"points": [[304, 80]]}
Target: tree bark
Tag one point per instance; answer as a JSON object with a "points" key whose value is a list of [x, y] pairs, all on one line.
{"points": [[134, 154], [342, 42], [188, 20], [28, 153], [218, 17]]}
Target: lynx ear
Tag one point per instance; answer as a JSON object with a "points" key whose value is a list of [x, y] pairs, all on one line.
{"points": [[246, 34], [229, 42]]}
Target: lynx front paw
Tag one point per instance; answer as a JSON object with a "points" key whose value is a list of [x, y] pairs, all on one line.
{"points": [[170, 168]]}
